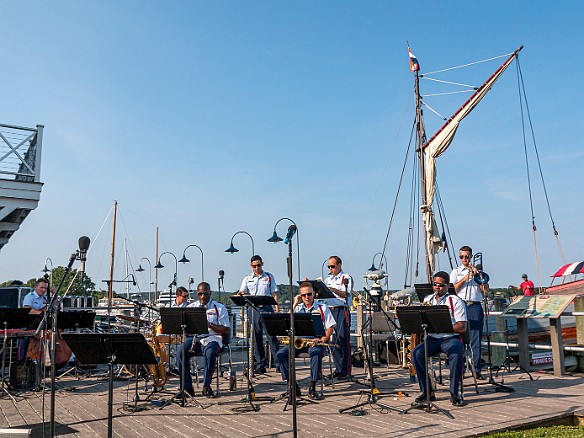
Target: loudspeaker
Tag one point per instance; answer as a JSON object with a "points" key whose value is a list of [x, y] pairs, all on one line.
{"points": [[11, 297], [22, 375]]}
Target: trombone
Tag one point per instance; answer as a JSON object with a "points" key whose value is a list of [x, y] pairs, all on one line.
{"points": [[480, 277]]}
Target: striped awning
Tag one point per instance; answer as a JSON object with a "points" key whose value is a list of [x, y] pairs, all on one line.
{"points": [[570, 269]]}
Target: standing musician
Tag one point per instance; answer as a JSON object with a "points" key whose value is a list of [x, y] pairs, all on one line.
{"points": [[315, 351], [341, 284], [260, 283], [182, 296], [448, 343], [209, 345], [472, 293], [36, 300]]}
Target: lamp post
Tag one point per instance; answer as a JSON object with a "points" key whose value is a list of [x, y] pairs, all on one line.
{"points": [[141, 269], [185, 260], [373, 268], [232, 249], [292, 229], [160, 265]]}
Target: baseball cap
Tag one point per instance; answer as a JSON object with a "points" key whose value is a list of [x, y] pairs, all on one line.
{"points": [[524, 276]]}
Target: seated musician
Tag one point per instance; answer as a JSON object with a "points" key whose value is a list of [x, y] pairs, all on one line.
{"points": [[315, 351], [209, 345], [182, 296], [36, 300], [447, 343]]}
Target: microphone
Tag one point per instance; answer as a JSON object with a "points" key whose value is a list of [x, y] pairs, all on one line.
{"points": [[221, 274], [291, 231], [82, 254]]}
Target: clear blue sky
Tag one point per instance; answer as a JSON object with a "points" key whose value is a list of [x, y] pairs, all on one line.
{"points": [[205, 118]]}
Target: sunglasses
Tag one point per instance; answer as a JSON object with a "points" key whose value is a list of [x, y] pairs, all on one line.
{"points": [[256, 266], [309, 294], [464, 257], [202, 294], [332, 266], [439, 284], [184, 296]]}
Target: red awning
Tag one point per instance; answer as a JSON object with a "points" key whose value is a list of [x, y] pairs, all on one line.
{"points": [[570, 269]]}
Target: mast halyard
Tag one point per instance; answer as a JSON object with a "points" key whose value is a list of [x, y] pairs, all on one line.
{"points": [[110, 291]]}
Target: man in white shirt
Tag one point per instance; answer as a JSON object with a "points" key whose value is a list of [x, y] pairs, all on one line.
{"points": [[260, 283], [209, 345], [315, 351], [472, 293], [447, 343], [182, 296], [341, 284]]}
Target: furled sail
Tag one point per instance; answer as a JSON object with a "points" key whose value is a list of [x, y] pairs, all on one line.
{"points": [[437, 145]]}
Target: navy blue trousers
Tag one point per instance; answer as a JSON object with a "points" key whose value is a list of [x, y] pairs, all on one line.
{"points": [[476, 319], [258, 325], [315, 361], [342, 337], [452, 347], [209, 352]]}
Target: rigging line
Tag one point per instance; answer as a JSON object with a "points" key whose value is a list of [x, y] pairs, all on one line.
{"points": [[393, 146], [467, 65], [401, 178], [448, 93], [474, 87], [433, 110], [411, 223], [539, 163]]}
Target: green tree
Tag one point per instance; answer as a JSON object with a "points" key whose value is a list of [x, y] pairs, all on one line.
{"points": [[87, 287]]}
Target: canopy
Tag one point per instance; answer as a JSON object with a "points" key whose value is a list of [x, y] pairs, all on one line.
{"points": [[570, 269]]}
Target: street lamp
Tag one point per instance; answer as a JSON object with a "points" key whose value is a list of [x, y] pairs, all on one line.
{"points": [[292, 229], [185, 260], [160, 265], [45, 270], [373, 268], [141, 269], [233, 249]]}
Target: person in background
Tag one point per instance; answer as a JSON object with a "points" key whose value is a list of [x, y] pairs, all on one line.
{"points": [[526, 286], [182, 296]]}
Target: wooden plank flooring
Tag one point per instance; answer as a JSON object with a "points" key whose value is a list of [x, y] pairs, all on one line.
{"points": [[82, 409]]}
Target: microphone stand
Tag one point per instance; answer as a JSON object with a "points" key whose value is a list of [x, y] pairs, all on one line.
{"points": [[53, 313]]}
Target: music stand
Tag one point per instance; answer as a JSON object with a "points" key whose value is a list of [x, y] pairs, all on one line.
{"points": [[306, 325], [110, 349], [425, 289], [74, 320], [249, 301], [425, 319], [183, 320], [321, 291], [12, 319]]}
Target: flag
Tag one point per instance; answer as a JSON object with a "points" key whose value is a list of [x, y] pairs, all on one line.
{"points": [[444, 243], [414, 65]]}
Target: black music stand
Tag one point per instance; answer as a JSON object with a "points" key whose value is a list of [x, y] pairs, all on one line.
{"points": [[183, 320], [321, 291], [306, 325], [249, 301], [73, 320], [425, 289], [425, 319], [110, 349], [12, 319]]}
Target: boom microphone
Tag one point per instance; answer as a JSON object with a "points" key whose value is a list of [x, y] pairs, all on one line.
{"points": [[82, 254], [291, 231]]}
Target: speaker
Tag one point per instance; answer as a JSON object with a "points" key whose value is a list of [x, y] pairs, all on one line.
{"points": [[11, 297]]}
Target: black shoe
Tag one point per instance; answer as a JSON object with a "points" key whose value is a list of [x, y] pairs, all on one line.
{"points": [[479, 376], [456, 400], [190, 391], [314, 394], [261, 370], [421, 399], [208, 392], [340, 376]]}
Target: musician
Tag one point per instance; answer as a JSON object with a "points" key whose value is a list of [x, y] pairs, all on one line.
{"points": [[448, 343], [260, 283], [209, 345], [340, 310], [526, 286], [36, 300], [182, 296], [315, 351], [472, 293]]}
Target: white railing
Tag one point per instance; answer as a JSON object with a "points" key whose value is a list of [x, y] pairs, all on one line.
{"points": [[20, 153]]}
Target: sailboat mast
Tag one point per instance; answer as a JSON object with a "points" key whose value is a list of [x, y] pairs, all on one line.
{"points": [[110, 292], [421, 140]]}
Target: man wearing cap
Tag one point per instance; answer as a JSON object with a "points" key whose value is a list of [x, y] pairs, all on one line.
{"points": [[526, 286]]}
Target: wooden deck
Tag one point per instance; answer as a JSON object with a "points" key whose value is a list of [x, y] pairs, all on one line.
{"points": [[82, 409]]}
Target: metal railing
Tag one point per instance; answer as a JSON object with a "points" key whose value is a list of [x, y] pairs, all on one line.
{"points": [[20, 152]]}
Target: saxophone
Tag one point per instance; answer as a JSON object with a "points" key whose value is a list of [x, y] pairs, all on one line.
{"points": [[158, 371]]}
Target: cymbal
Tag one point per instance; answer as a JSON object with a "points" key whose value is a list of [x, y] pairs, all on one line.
{"points": [[131, 319]]}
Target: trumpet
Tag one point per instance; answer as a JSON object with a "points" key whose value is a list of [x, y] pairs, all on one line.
{"points": [[300, 343]]}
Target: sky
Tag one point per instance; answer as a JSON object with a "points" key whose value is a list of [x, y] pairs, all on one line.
{"points": [[207, 118]]}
